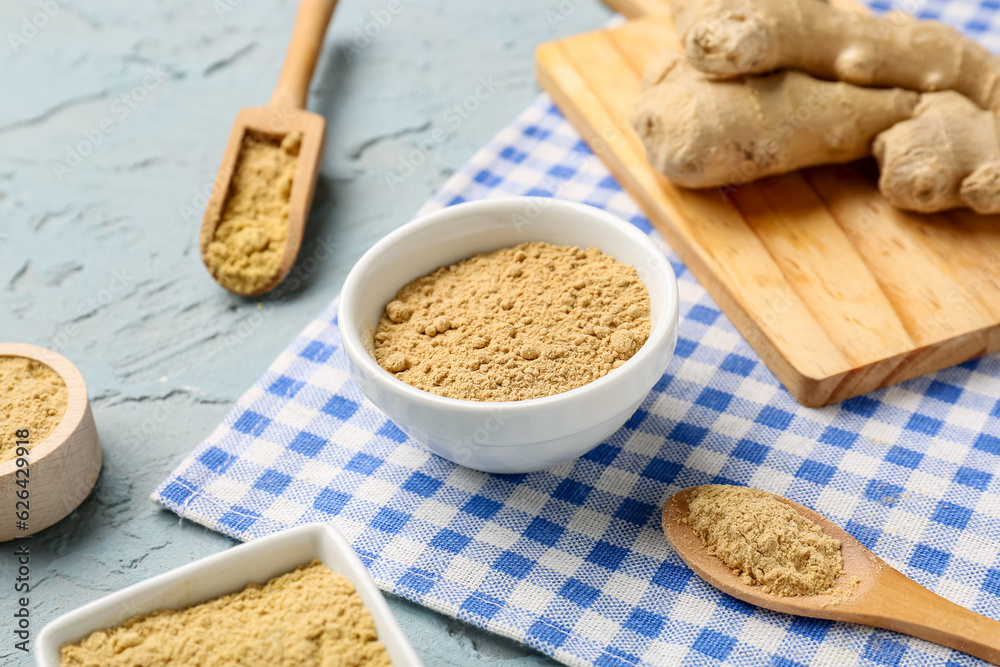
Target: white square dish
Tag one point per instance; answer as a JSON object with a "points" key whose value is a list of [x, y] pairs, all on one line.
{"points": [[228, 572]]}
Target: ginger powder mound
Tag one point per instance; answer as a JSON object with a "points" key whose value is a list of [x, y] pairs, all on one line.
{"points": [[32, 396], [245, 254], [309, 617], [765, 542], [514, 324]]}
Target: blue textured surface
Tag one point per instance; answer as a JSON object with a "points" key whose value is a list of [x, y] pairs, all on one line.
{"points": [[572, 560], [103, 264]]}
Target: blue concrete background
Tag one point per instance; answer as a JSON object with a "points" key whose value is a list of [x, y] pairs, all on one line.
{"points": [[113, 118]]}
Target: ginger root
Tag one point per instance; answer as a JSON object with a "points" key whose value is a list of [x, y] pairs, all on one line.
{"points": [[727, 38], [946, 156], [701, 133]]}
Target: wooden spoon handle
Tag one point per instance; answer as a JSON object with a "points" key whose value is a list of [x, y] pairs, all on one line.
{"points": [[905, 606], [303, 52]]}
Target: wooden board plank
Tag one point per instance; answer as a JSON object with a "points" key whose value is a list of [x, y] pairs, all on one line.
{"points": [[915, 264], [839, 293], [815, 256]]}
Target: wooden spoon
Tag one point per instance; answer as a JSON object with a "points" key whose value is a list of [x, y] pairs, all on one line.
{"points": [[882, 597], [285, 112]]}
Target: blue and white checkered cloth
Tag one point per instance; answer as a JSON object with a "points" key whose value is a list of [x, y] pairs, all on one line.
{"points": [[572, 560]]}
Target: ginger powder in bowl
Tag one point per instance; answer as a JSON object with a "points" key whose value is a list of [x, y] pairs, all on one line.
{"points": [[537, 359], [307, 618], [523, 322], [48, 439], [33, 397]]}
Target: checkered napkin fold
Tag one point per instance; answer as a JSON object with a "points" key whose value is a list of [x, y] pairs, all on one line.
{"points": [[572, 560]]}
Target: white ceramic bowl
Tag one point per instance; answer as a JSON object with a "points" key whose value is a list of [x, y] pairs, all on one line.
{"points": [[229, 572], [514, 436]]}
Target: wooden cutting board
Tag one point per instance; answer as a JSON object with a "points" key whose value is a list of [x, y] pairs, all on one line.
{"points": [[838, 292]]}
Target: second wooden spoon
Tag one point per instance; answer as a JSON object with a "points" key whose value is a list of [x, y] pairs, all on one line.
{"points": [[285, 113], [882, 597]]}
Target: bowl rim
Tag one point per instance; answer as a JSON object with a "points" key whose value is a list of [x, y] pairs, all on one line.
{"points": [[660, 333], [47, 653], [76, 401]]}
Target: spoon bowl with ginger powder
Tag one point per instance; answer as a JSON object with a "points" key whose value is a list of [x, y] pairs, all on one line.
{"points": [[773, 552], [50, 454], [533, 425]]}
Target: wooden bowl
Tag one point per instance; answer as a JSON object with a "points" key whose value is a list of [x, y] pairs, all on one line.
{"points": [[62, 468]]}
